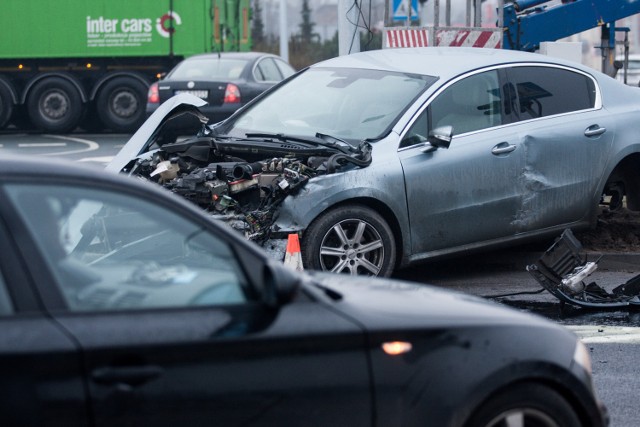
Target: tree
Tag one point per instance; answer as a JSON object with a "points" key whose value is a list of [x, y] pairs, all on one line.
{"points": [[307, 36], [257, 30]]}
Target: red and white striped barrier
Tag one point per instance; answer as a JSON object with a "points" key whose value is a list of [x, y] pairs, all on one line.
{"points": [[407, 37], [396, 37], [469, 38]]}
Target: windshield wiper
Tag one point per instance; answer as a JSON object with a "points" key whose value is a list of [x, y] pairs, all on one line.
{"points": [[320, 140]]}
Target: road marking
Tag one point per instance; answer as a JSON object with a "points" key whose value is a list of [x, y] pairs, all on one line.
{"points": [[41, 144], [104, 159], [594, 334], [91, 145]]}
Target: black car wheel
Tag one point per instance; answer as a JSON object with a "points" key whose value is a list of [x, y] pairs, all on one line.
{"points": [[352, 240], [55, 105], [526, 405], [121, 104]]}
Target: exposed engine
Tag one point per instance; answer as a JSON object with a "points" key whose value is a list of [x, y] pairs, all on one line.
{"points": [[245, 192]]}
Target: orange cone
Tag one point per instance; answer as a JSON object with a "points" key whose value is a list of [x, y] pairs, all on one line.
{"points": [[293, 257]]}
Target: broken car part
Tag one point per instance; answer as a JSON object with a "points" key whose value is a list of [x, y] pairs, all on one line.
{"points": [[563, 270]]}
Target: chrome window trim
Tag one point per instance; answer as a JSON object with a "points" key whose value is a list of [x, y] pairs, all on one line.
{"points": [[597, 101]]}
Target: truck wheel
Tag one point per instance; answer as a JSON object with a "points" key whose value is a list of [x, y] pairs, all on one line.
{"points": [[352, 239], [6, 106], [122, 104], [54, 105]]}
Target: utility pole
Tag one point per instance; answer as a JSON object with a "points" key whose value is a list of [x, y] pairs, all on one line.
{"points": [[348, 34], [284, 34]]}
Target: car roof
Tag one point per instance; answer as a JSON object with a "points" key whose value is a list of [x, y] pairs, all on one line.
{"points": [[440, 61], [231, 55]]}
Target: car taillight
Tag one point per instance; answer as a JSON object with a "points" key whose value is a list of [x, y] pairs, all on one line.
{"points": [[153, 96], [231, 94]]}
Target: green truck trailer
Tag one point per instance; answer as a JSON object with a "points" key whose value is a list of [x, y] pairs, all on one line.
{"points": [[90, 62]]}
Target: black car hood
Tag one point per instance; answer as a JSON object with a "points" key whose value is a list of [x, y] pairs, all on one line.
{"points": [[383, 304]]}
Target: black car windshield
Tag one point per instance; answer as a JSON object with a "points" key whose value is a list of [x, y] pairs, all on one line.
{"points": [[208, 68], [345, 103]]}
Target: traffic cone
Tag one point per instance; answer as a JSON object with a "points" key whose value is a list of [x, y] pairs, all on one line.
{"points": [[293, 257]]}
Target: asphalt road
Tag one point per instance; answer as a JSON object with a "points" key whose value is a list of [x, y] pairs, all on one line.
{"points": [[612, 336]]}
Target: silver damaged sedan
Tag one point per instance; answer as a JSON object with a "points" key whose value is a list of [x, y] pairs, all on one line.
{"points": [[384, 158]]}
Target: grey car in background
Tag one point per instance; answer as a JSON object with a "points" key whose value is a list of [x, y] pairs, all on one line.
{"points": [[384, 158]]}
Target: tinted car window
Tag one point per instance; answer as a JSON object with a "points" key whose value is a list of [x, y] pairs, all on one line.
{"points": [[111, 251], [545, 91], [470, 104], [268, 71], [208, 68]]}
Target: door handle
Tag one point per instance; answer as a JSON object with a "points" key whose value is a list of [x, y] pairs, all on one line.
{"points": [[126, 375], [594, 130], [503, 148]]}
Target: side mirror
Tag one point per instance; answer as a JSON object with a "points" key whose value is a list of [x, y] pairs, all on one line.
{"points": [[441, 137], [280, 284]]}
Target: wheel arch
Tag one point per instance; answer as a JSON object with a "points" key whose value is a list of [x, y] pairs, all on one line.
{"points": [[109, 77], [66, 76], [583, 412], [387, 214], [6, 83], [627, 169]]}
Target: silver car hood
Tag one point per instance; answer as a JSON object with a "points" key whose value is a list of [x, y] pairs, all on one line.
{"points": [[142, 139]]}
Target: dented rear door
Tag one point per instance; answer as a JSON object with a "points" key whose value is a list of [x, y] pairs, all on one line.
{"points": [[565, 136]]}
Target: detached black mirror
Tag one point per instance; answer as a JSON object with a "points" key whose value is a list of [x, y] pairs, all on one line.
{"points": [[441, 137], [280, 284]]}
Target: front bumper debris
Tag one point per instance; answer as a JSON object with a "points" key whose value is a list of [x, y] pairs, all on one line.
{"points": [[563, 270]]}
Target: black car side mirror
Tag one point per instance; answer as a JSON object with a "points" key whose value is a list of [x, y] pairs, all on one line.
{"points": [[280, 284]]}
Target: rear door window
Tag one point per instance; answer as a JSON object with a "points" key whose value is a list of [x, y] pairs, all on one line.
{"points": [[267, 71], [547, 91]]}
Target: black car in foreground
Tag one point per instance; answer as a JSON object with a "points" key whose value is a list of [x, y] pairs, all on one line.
{"points": [[123, 304]]}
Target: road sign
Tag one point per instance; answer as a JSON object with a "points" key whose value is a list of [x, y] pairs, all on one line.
{"points": [[401, 10]]}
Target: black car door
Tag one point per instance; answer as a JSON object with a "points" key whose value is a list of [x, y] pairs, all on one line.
{"points": [[40, 366], [172, 324]]}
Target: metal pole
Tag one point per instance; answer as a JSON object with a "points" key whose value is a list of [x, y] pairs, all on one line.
{"points": [[348, 35], [447, 14], [284, 34]]}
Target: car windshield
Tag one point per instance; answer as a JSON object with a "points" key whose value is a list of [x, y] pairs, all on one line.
{"points": [[208, 68], [344, 103]]}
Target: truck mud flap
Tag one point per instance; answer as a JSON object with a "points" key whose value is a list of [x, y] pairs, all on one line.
{"points": [[563, 271]]}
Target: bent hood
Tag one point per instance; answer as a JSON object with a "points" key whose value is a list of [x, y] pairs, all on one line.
{"points": [[142, 139]]}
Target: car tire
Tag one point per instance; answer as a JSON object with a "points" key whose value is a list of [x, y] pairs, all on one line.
{"points": [[54, 105], [122, 103], [6, 105], [530, 403], [351, 239]]}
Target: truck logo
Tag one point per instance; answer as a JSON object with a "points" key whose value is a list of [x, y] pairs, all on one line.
{"points": [[164, 26]]}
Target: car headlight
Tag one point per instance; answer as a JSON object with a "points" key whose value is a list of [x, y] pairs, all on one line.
{"points": [[582, 357]]}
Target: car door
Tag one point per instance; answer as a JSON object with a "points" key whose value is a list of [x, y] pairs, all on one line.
{"points": [[469, 192], [40, 366], [173, 323], [566, 139]]}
